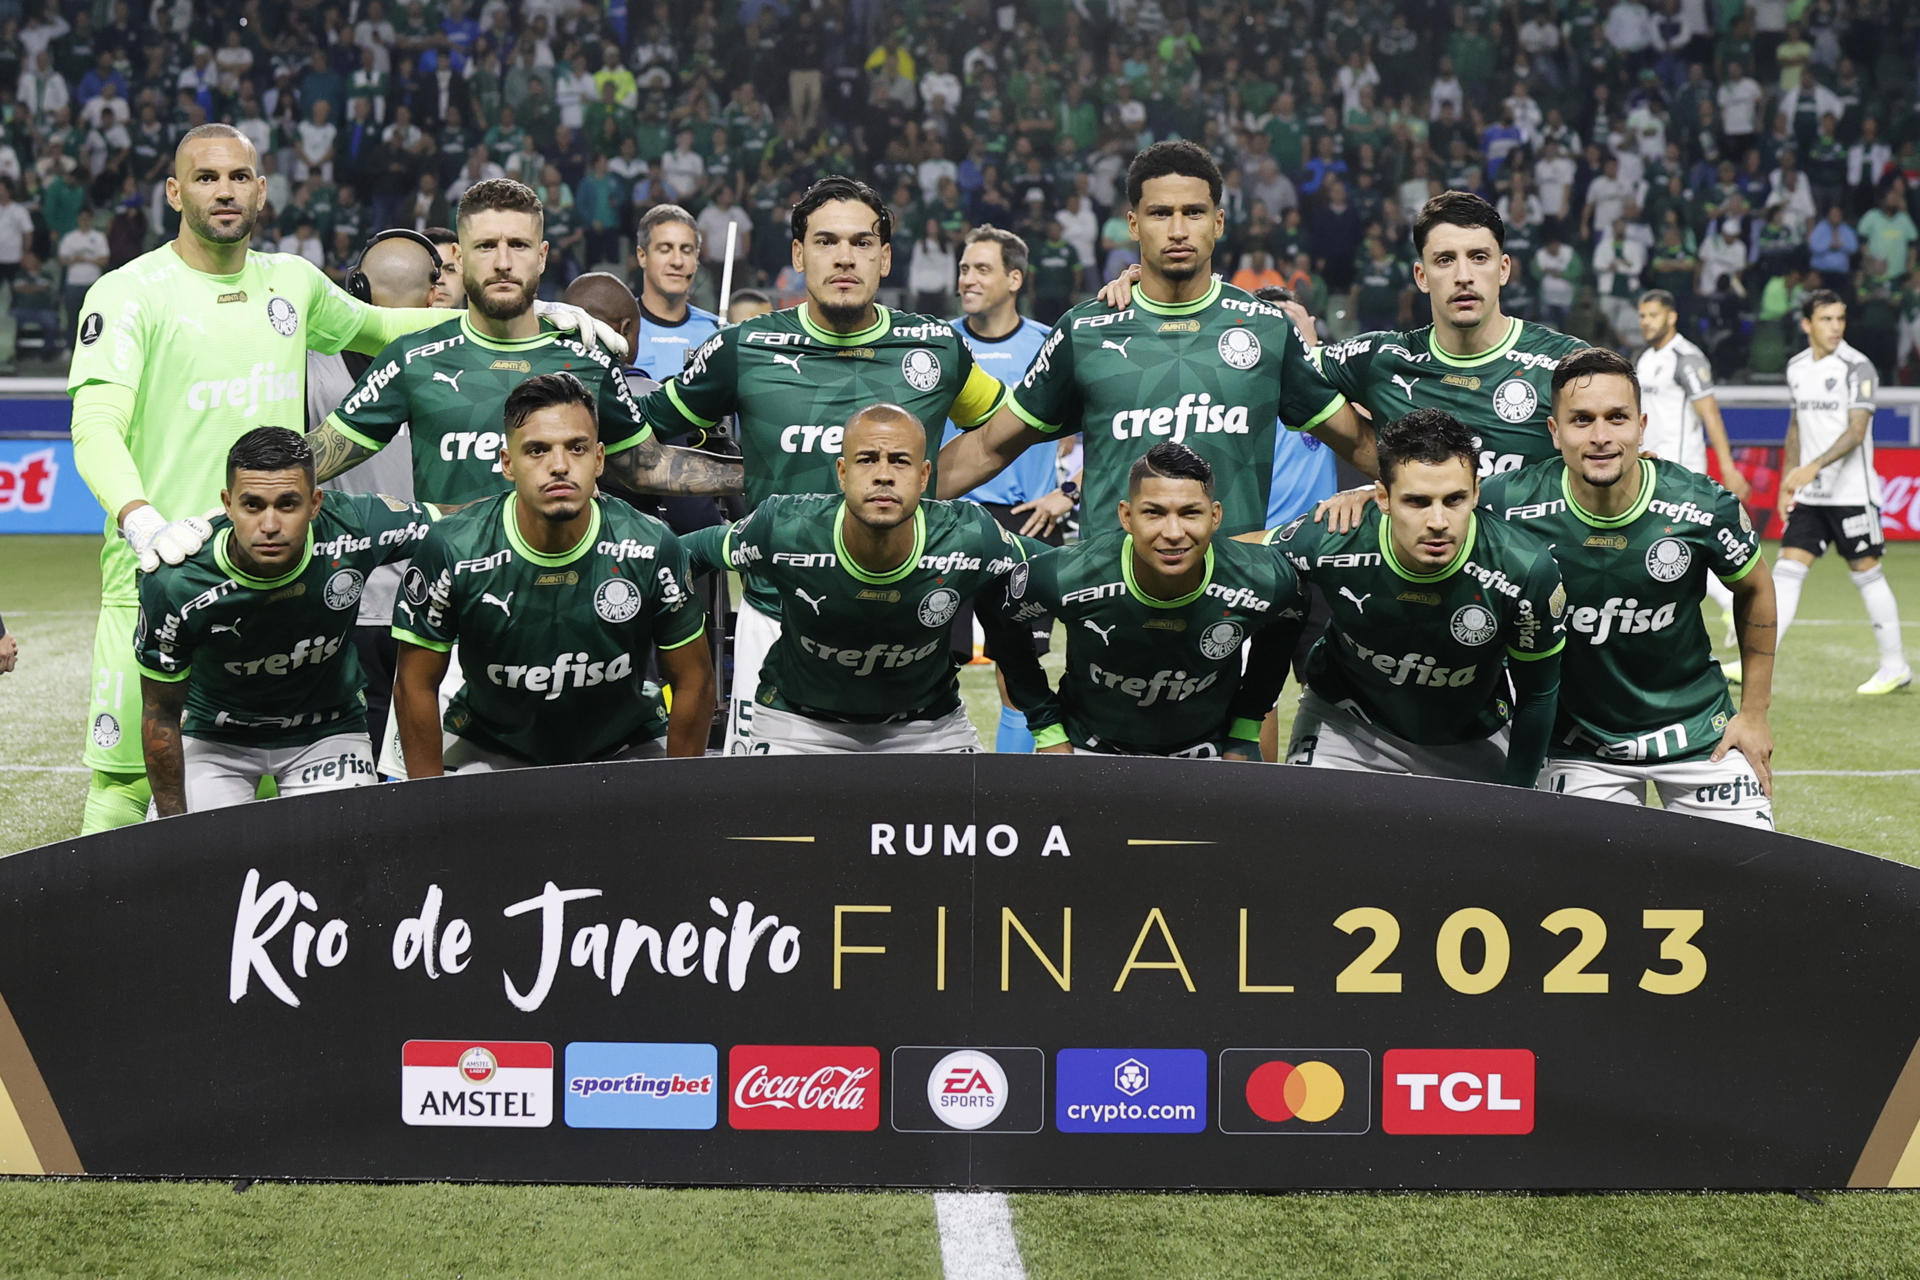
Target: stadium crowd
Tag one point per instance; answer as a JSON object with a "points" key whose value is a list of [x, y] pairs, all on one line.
{"points": [[1738, 155]]}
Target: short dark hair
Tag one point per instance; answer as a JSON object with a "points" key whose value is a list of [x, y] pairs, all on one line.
{"points": [[545, 391], [1817, 299], [270, 449], [1457, 209], [1594, 362], [1174, 158], [643, 234], [1013, 250], [442, 236], [1170, 461], [1428, 435], [839, 187], [501, 194], [1660, 296], [750, 295], [1275, 293]]}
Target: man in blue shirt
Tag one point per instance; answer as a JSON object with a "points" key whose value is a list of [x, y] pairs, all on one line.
{"points": [[667, 247]]}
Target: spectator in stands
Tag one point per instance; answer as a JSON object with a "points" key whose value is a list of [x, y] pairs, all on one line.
{"points": [[1557, 272], [84, 255], [1619, 262], [36, 305], [1788, 188], [1831, 249], [1887, 236], [1739, 98]]}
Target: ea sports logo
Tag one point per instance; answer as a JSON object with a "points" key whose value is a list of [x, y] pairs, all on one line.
{"points": [[343, 589], [1310, 1091], [616, 600], [1515, 400], [1221, 639], [921, 369], [1474, 624], [967, 1089], [1667, 559], [1240, 348], [478, 1065], [283, 316], [938, 608]]}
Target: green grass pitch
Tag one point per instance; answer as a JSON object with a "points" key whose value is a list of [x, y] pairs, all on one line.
{"points": [[1829, 744]]}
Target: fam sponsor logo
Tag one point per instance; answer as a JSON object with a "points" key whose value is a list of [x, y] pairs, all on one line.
{"points": [[959, 1089], [482, 1084], [1130, 1091], [804, 1086], [1458, 1091], [1296, 1091], [618, 1085]]}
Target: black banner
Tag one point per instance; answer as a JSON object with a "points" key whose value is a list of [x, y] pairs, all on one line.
{"points": [[938, 971]]}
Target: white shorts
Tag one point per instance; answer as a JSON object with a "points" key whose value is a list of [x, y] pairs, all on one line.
{"points": [[1327, 736], [782, 733], [393, 761], [753, 636], [218, 774], [1729, 791], [458, 755]]}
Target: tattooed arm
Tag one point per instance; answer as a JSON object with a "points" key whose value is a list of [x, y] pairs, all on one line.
{"points": [[651, 467], [162, 702], [334, 453]]}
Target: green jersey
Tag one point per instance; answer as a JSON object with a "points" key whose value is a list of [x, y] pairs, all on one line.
{"points": [[208, 359], [554, 646], [857, 646], [269, 658], [1424, 655], [1146, 676], [1216, 374], [451, 384], [1503, 395], [1639, 680]]}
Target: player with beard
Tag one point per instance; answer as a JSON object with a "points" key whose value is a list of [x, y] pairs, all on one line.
{"points": [[791, 378], [181, 352], [867, 584], [555, 595]]}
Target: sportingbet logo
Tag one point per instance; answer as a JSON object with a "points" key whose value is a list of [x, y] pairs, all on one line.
{"points": [[1619, 617], [1168, 686], [1195, 413], [263, 384], [1458, 1091], [568, 671], [1413, 668], [307, 653], [642, 1086], [26, 484], [491, 1084], [787, 1086], [864, 662], [808, 438]]}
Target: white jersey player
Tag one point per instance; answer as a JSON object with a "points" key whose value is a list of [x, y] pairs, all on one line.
{"points": [[1828, 490]]}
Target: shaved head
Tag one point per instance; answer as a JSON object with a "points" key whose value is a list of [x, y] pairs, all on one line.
{"points": [[400, 273], [606, 298], [889, 417], [203, 132], [883, 466]]}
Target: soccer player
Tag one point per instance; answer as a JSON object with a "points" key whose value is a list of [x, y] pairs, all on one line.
{"points": [[791, 378], [452, 291], [555, 595], [746, 304], [1157, 614], [1025, 497], [667, 246], [1433, 611], [1192, 360], [868, 584], [1829, 493], [249, 635], [1676, 386], [1641, 699]]}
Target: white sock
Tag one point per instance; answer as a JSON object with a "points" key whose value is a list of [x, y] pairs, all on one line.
{"points": [[1885, 613], [1788, 575], [1718, 593]]}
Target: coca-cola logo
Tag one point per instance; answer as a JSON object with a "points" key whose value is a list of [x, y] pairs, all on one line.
{"points": [[786, 1086]]}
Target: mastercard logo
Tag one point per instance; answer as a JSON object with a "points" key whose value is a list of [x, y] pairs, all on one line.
{"points": [[1310, 1091]]}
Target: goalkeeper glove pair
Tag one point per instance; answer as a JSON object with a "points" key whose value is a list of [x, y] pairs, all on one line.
{"points": [[155, 538]]}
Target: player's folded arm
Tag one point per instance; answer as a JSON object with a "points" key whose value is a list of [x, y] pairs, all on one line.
{"points": [[644, 465], [975, 456], [1536, 690]]}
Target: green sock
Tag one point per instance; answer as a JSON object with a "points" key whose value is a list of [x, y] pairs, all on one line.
{"points": [[115, 800]]}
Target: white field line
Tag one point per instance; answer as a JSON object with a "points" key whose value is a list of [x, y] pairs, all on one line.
{"points": [[976, 1236]]}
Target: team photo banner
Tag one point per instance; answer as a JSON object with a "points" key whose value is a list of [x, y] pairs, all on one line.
{"points": [[960, 971]]}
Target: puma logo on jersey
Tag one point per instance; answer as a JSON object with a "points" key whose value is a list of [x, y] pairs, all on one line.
{"points": [[1359, 602], [1105, 633], [1406, 385], [506, 605], [794, 361], [1108, 344], [815, 601], [231, 628], [452, 380]]}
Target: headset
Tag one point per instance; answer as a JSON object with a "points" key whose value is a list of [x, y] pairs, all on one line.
{"points": [[357, 283]]}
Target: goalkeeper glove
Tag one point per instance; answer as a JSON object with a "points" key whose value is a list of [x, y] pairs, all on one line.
{"points": [[154, 538], [595, 333]]}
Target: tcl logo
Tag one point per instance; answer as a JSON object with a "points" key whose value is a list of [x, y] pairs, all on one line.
{"points": [[1457, 1091], [26, 483], [791, 1086]]}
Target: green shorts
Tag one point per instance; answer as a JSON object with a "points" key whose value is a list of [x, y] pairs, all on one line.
{"points": [[113, 705]]}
